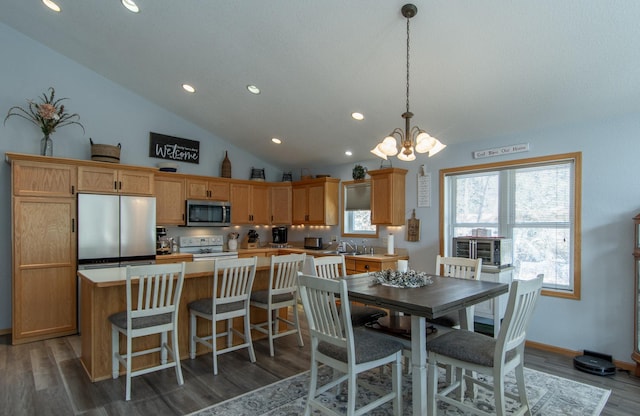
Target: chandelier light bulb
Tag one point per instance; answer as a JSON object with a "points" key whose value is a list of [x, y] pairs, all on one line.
{"points": [[389, 146], [424, 143], [376, 151], [436, 148], [407, 158]]}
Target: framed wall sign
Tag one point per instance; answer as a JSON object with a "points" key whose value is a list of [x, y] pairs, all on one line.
{"points": [[174, 148]]}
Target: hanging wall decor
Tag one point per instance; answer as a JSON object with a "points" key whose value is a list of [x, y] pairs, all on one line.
{"points": [[413, 228]]}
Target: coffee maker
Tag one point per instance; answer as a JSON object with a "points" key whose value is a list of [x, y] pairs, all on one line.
{"points": [[279, 235], [163, 243]]}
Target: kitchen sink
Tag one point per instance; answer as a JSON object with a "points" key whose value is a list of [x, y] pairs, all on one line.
{"points": [[359, 253]]}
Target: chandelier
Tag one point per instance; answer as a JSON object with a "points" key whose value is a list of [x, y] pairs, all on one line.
{"points": [[412, 139]]}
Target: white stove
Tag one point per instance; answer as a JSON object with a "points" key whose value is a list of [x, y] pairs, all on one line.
{"points": [[207, 247]]}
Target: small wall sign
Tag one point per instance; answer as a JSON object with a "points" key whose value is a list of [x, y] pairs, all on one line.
{"points": [[174, 148], [499, 151]]}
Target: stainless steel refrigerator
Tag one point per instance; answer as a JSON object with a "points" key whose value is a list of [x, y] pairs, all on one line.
{"points": [[116, 230]]}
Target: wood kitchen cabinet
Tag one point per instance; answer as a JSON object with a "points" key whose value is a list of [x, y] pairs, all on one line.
{"points": [[104, 179], [316, 201], [250, 203], [170, 199], [208, 188], [281, 204], [387, 196], [355, 265], [44, 249], [43, 179]]}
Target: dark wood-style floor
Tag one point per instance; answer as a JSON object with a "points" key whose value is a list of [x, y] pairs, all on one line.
{"points": [[46, 378]]}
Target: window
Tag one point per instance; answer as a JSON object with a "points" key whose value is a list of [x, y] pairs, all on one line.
{"points": [[356, 212], [533, 201]]}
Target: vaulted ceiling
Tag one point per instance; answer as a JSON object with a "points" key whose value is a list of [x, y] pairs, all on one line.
{"points": [[479, 69]]}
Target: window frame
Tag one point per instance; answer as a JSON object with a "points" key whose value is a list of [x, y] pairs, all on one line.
{"points": [[576, 157], [343, 204]]}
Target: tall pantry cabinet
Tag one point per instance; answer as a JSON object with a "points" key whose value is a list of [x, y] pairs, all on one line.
{"points": [[44, 250]]}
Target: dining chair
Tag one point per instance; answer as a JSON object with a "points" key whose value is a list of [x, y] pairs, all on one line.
{"points": [[349, 352], [465, 350], [152, 310], [334, 267], [282, 293], [463, 268], [232, 282]]}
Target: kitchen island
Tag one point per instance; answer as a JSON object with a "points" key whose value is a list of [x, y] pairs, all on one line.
{"points": [[102, 293]]}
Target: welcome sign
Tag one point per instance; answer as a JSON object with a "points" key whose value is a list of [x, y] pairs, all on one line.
{"points": [[173, 148]]}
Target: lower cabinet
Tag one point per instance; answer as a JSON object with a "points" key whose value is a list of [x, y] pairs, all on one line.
{"points": [[44, 268], [355, 266], [492, 311]]}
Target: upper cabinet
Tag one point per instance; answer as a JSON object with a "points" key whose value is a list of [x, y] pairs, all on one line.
{"points": [[281, 204], [316, 201], [250, 203], [208, 188], [387, 196], [43, 179], [115, 181], [170, 199]]}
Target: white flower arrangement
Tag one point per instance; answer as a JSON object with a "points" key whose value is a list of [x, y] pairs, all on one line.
{"points": [[410, 278]]}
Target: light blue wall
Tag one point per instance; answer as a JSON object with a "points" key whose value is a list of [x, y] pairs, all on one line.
{"points": [[110, 114], [601, 321]]}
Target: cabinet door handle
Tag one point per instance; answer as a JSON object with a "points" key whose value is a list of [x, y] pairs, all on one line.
{"points": [[73, 225], [120, 185], [366, 267], [73, 190], [115, 185]]}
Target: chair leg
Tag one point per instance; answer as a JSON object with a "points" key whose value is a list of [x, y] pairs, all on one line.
{"points": [[229, 333], [115, 351], [163, 348], [313, 383], [432, 386], [192, 335], [176, 355], [352, 385], [396, 374], [522, 391], [296, 319], [247, 337], [214, 345], [270, 329], [498, 392], [128, 388]]}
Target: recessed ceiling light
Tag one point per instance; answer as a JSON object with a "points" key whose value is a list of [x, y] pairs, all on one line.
{"points": [[188, 88], [276, 140], [50, 4], [348, 153], [357, 116], [131, 6], [253, 89]]}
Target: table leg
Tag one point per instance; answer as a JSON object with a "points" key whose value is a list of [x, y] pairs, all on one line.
{"points": [[466, 318], [419, 365]]}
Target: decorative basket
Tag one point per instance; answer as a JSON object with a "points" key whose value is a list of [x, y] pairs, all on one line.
{"points": [[225, 170], [105, 152]]}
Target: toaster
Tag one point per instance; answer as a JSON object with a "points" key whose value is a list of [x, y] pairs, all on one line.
{"points": [[313, 243]]}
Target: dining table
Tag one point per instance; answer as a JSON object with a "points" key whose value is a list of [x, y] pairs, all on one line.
{"points": [[444, 295]]}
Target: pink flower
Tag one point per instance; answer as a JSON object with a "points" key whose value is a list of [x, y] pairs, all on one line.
{"points": [[48, 112]]}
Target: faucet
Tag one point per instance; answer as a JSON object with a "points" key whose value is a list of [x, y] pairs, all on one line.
{"points": [[352, 246]]}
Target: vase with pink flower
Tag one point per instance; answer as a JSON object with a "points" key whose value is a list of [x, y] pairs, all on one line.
{"points": [[48, 115]]}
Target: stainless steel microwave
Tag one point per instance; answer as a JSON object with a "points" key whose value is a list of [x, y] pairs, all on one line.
{"points": [[208, 213], [495, 252]]}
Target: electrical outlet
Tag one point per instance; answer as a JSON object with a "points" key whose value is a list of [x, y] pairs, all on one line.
{"points": [[334, 238]]}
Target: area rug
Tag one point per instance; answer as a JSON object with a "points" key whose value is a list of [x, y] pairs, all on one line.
{"points": [[548, 395]]}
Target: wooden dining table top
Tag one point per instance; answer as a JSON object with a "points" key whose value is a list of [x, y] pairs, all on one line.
{"points": [[444, 296]]}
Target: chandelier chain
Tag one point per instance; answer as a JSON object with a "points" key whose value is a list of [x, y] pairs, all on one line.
{"points": [[408, 65]]}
